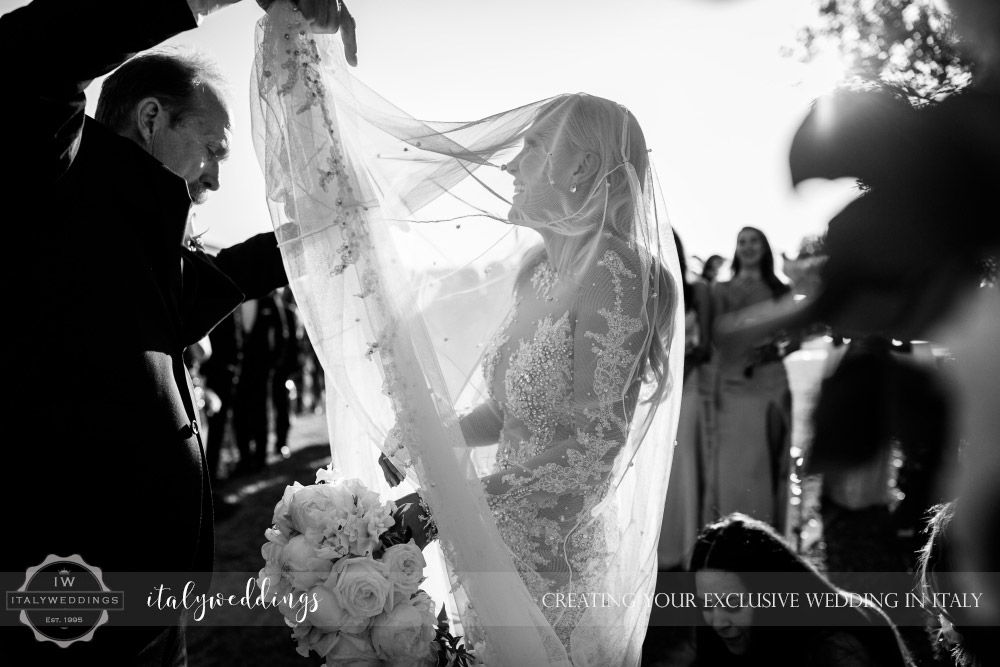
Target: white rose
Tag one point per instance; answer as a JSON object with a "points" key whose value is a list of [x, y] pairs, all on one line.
{"points": [[312, 508], [270, 580], [361, 586], [405, 635], [299, 560], [406, 566], [330, 616]]}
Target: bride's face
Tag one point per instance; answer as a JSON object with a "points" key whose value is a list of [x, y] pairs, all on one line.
{"points": [[537, 195]]}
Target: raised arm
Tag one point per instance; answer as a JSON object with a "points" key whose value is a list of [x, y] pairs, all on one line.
{"points": [[214, 286], [52, 50]]}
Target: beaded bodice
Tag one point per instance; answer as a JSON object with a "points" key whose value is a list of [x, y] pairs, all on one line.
{"points": [[558, 369]]}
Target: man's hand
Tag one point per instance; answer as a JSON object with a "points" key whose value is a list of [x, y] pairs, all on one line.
{"points": [[202, 8], [327, 17]]}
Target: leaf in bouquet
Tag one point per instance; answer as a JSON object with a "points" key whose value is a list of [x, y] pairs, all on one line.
{"points": [[442, 619]]}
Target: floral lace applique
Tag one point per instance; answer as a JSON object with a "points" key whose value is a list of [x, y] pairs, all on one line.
{"points": [[613, 359], [491, 358], [544, 517]]}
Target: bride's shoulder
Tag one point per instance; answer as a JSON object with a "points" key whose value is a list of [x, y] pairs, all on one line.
{"points": [[615, 260]]}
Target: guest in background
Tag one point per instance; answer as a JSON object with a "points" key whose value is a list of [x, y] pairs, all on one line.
{"points": [[956, 635], [742, 555], [264, 335], [710, 272], [221, 372], [749, 467], [682, 511], [286, 367]]}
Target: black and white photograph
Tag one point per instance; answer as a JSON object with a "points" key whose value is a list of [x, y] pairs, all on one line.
{"points": [[501, 333]]}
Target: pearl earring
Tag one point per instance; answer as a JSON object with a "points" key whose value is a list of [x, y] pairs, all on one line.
{"points": [[572, 188]]}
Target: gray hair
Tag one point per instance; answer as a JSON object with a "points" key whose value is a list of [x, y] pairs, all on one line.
{"points": [[172, 78]]}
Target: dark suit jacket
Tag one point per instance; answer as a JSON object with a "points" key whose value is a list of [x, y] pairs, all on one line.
{"points": [[102, 451]]}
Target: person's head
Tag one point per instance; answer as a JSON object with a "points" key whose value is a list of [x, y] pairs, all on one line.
{"points": [[570, 177], [738, 554], [711, 269], [753, 251], [936, 568], [730, 556], [171, 105]]}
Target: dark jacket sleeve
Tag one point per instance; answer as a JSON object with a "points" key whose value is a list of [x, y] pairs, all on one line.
{"points": [[51, 50], [215, 286], [254, 265]]}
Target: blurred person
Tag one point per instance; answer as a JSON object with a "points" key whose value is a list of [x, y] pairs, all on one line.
{"points": [[710, 272], [682, 509], [313, 379], [264, 336], [743, 556], [110, 200], [222, 372], [749, 467], [287, 369], [956, 634]]}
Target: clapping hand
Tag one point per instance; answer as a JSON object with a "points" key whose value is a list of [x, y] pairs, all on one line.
{"points": [[328, 17]]}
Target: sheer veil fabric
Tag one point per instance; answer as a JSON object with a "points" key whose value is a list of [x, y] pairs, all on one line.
{"points": [[496, 307]]}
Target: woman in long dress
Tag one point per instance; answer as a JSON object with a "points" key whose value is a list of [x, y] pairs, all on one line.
{"points": [[591, 314], [551, 548], [750, 463], [682, 510]]}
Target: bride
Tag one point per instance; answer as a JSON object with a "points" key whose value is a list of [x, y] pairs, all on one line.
{"points": [[576, 389], [591, 312]]}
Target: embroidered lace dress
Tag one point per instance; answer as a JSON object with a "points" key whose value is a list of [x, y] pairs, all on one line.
{"points": [[556, 372], [405, 243]]}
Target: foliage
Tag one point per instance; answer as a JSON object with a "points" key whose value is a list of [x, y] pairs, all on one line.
{"points": [[452, 652], [905, 46]]}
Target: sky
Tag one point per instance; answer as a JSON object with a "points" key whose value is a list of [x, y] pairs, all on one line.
{"points": [[706, 79]]}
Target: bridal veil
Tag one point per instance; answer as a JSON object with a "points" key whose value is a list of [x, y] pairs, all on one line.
{"points": [[399, 246]]}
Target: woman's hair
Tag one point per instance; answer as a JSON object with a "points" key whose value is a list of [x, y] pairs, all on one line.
{"points": [[767, 273], [935, 566], [682, 258], [764, 563], [608, 131], [717, 260], [612, 134]]}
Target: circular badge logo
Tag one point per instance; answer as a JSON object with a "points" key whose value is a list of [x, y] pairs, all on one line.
{"points": [[64, 600]]}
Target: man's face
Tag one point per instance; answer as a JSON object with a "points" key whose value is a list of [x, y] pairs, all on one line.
{"points": [[194, 148]]}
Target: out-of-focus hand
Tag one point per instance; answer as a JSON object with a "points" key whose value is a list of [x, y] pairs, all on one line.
{"points": [[202, 8], [328, 17], [412, 514]]}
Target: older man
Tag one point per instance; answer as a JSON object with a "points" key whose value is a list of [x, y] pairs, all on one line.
{"points": [[104, 454]]}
